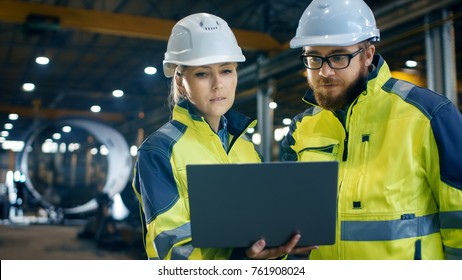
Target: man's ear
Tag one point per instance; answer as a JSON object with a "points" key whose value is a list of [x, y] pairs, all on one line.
{"points": [[370, 51]]}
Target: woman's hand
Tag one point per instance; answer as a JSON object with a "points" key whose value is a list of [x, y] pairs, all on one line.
{"points": [[258, 252]]}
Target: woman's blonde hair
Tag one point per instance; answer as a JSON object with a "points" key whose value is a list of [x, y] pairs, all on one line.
{"points": [[176, 96]]}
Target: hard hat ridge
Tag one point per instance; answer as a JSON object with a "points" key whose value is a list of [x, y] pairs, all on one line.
{"points": [[200, 39], [335, 23]]}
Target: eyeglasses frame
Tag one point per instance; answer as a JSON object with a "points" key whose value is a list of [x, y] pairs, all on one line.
{"points": [[326, 59]]}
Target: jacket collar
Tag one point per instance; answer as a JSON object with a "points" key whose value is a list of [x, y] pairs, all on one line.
{"points": [[237, 122]]}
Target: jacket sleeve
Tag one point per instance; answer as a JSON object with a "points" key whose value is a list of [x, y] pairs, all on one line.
{"points": [[288, 154], [167, 220], [445, 175]]}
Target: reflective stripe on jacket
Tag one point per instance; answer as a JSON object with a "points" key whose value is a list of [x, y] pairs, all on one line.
{"points": [[160, 178], [400, 176]]}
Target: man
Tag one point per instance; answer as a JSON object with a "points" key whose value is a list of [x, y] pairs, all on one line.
{"points": [[398, 145]]}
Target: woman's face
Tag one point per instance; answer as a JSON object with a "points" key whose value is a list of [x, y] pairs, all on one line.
{"points": [[210, 88]]}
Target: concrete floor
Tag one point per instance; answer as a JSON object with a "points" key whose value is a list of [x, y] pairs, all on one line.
{"points": [[60, 242]]}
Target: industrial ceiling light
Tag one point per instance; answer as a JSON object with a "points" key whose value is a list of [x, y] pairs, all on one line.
{"points": [[42, 60], [95, 108], [411, 63], [28, 86], [13, 117], [150, 70], [118, 93]]}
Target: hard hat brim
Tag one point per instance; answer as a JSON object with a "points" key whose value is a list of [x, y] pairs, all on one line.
{"points": [[169, 65], [332, 40]]}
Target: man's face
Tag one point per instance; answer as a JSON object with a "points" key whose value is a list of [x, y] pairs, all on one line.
{"points": [[335, 88]]}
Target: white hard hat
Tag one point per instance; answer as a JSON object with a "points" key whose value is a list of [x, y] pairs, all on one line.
{"points": [[335, 23], [200, 39]]}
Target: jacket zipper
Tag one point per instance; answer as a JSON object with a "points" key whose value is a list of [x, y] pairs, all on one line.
{"points": [[345, 147]]}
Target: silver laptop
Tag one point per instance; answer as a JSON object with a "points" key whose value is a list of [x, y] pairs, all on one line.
{"points": [[234, 205]]}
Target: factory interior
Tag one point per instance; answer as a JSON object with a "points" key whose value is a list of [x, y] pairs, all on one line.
{"points": [[81, 87]]}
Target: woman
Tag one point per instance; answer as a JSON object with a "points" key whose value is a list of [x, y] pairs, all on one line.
{"points": [[201, 58]]}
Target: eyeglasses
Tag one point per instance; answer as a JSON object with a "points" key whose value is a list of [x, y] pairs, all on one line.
{"points": [[335, 61]]}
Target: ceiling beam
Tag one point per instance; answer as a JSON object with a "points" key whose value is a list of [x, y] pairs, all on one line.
{"points": [[120, 24], [28, 112]]}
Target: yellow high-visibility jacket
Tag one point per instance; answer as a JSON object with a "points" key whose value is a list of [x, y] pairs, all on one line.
{"points": [[160, 178], [400, 175]]}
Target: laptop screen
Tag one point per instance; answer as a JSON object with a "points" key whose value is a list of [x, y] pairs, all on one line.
{"points": [[234, 205]]}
